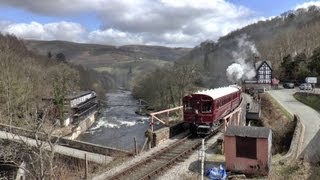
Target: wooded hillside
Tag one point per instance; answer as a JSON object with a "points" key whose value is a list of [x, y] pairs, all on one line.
{"points": [[26, 78], [292, 33]]}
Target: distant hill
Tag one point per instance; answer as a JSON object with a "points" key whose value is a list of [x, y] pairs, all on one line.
{"points": [[95, 55], [123, 62], [292, 32]]}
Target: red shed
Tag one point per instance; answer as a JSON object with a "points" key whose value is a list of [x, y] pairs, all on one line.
{"points": [[248, 149]]}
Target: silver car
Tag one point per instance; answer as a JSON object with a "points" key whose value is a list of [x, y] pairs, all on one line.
{"points": [[305, 86]]}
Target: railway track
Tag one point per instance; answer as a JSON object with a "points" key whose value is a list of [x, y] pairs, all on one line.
{"points": [[163, 159]]}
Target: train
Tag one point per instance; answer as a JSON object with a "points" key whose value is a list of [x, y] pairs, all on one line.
{"points": [[204, 110]]}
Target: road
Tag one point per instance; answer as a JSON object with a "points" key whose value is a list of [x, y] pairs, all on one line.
{"points": [[309, 117], [98, 158]]}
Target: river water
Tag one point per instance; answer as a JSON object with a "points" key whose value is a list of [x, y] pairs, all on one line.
{"points": [[118, 124]]}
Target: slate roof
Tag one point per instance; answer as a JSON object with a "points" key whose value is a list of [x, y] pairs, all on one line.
{"points": [[72, 96], [259, 63], [248, 131], [75, 95]]}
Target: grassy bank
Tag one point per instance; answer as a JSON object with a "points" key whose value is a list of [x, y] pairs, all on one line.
{"points": [[312, 100], [279, 107], [275, 117]]}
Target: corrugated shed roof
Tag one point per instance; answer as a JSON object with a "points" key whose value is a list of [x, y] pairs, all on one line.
{"points": [[248, 131], [219, 92]]}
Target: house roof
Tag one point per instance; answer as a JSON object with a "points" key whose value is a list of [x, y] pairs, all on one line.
{"points": [[259, 63], [72, 96], [75, 95], [248, 131]]}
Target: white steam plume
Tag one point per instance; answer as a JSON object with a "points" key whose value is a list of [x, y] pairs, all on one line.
{"points": [[242, 69]]}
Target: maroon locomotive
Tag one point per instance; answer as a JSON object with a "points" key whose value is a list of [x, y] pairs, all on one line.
{"points": [[203, 110]]}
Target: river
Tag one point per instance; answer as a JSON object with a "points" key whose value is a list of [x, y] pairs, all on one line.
{"points": [[118, 124]]}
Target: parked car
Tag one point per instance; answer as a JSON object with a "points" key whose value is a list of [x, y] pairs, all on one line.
{"points": [[288, 85], [305, 86]]}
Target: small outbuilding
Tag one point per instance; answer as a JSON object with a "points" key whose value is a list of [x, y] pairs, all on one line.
{"points": [[75, 106], [248, 149]]}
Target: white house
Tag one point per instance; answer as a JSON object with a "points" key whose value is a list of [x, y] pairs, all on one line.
{"points": [[264, 72]]}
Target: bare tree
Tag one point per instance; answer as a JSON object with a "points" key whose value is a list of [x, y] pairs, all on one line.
{"points": [[38, 149]]}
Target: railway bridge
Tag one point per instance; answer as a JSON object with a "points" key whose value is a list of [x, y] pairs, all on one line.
{"points": [[165, 156], [67, 151], [165, 117], [72, 148]]}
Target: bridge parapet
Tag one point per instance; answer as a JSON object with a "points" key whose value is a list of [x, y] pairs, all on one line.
{"points": [[80, 145]]}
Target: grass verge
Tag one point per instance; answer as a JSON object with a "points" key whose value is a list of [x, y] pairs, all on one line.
{"points": [[311, 100], [275, 117], [279, 106]]}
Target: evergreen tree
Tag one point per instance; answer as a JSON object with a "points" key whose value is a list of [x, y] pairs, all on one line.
{"points": [[61, 57], [314, 64], [49, 55]]}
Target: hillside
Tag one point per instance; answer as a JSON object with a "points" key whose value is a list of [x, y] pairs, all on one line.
{"points": [[26, 78], [123, 62], [291, 33], [95, 55]]}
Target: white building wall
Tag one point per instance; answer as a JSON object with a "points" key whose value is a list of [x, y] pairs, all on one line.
{"points": [[75, 102]]}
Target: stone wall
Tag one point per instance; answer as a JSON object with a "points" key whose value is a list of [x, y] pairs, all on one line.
{"points": [[297, 138], [83, 126], [160, 135], [94, 148], [257, 86]]}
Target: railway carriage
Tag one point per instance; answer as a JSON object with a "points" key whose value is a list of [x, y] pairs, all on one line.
{"points": [[203, 110]]}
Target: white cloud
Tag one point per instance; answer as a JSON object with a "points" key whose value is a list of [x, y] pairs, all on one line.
{"points": [[67, 31], [305, 5], [162, 22], [115, 37], [58, 7]]}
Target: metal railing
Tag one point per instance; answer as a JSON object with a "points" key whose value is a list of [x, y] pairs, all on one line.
{"points": [[165, 119]]}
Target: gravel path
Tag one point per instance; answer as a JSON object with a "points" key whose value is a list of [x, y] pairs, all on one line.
{"points": [[309, 118]]}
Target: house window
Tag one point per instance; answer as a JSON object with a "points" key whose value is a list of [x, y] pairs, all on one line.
{"points": [[246, 147]]}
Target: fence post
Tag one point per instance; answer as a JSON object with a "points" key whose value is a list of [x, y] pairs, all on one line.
{"points": [[151, 123], [135, 146], [202, 159], [86, 167]]}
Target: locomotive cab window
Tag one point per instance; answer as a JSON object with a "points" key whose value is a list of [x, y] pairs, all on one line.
{"points": [[206, 107]]}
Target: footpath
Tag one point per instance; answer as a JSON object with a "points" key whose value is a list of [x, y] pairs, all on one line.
{"points": [[309, 117]]}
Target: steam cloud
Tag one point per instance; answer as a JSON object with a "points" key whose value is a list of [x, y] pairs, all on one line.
{"points": [[242, 69]]}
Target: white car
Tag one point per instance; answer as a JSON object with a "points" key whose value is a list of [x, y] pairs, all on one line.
{"points": [[305, 86]]}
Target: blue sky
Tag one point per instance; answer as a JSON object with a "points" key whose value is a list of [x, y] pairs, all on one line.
{"points": [[88, 19], [152, 22], [269, 8]]}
